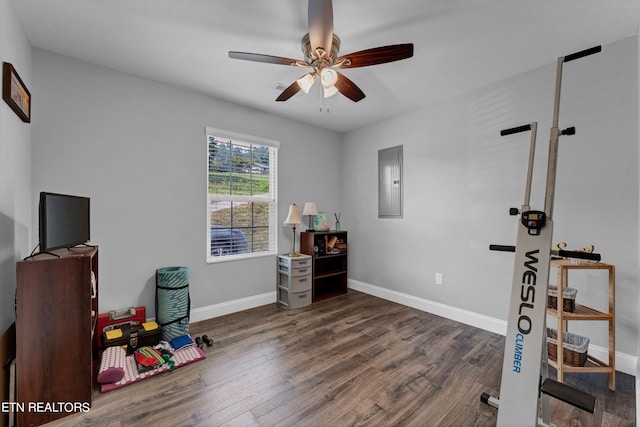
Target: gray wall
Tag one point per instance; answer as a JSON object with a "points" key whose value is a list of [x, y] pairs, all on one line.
{"points": [[131, 145], [460, 178], [15, 166], [138, 149]]}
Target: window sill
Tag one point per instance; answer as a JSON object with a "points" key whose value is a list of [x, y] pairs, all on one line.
{"points": [[227, 258]]}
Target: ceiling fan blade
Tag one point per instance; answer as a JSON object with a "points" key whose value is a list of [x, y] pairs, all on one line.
{"points": [[257, 57], [320, 27], [377, 55], [348, 88], [289, 92]]}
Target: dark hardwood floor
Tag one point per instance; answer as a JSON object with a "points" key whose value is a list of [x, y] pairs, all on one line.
{"points": [[347, 361]]}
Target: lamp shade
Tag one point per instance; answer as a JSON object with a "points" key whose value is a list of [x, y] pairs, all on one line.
{"points": [[305, 82], [329, 77], [293, 218], [310, 208]]}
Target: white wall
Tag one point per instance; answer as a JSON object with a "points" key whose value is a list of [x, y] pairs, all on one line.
{"points": [[15, 166], [137, 149], [461, 177]]}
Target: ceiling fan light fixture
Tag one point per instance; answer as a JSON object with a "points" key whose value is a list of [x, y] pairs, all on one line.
{"points": [[305, 82], [329, 91], [328, 77]]}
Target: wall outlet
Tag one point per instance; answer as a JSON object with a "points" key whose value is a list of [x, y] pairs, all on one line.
{"points": [[439, 279]]}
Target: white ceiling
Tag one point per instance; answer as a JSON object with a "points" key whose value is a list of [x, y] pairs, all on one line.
{"points": [[460, 45]]}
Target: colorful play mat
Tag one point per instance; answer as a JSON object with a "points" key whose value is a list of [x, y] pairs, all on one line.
{"points": [[118, 369]]}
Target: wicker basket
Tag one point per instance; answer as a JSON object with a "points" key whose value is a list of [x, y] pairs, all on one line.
{"points": [[568, 298], [574, 347]]}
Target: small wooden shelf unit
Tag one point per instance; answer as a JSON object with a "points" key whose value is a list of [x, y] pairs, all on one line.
{"points": [[56, 338], [329, 268], [583, 312]]}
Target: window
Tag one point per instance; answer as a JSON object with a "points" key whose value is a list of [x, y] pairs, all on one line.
{"points": [[241, 195]]}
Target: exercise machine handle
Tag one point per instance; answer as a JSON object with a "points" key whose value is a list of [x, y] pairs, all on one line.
{"points": [[578, 255], [582, 53], [502, 248], [560, 253], [516, 129]]}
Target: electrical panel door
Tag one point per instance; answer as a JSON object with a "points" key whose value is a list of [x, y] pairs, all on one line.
{"points": [[390, 182]]}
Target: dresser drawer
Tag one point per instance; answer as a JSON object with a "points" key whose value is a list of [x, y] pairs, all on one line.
{"points": [[296, 283], [294, 262], [294, 272], [298, 266], [295, 299]]}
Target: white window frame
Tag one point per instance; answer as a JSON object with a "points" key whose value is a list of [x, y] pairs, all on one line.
{"points": [[272, 198]]}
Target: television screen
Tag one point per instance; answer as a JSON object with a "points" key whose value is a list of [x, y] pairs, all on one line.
{"points": [[64, 221]]}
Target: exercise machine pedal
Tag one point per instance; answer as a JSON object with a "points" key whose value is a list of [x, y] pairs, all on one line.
{"points": [[486, 398], [568, 394]]}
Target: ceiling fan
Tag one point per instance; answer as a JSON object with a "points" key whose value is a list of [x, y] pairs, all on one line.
{"points": [[320, 47]]}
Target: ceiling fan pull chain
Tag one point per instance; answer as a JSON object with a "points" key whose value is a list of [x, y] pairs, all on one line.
{"points": [[323, 103]]}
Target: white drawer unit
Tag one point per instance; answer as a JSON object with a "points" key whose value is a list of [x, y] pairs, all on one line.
{"points": [[294, 281]]}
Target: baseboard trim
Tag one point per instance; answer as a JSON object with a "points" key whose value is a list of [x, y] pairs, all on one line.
{"points": [[234, 306], [624, 362], [459, 315]]}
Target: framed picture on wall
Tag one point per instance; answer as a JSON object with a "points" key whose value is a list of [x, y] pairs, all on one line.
{"points": [[15, 93]]}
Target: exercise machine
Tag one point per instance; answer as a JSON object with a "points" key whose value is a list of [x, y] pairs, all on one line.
{"points": [[525, 385]]}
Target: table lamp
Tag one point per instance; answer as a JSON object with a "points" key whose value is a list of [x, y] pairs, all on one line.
{"points": [[293, 218], [310, 209]]}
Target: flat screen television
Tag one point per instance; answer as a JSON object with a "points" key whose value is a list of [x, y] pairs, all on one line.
{"points": [[63, 220]]}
